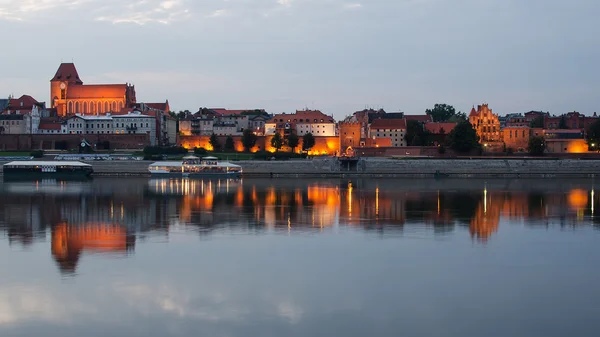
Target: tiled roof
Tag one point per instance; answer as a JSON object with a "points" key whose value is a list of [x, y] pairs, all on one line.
{"points": [[436, 128], [421, 118], [97, 91], [393, 124], [158, 106], [67, 72], [27, 102], [473, 112]]}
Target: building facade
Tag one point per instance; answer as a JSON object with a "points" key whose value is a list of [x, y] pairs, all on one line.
{"points": [[69, 96], [394, 129], [131, 123], [486, 123], [302, 122]]}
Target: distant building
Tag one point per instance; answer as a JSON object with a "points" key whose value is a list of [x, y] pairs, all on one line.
{"points": [[68, 94], [439, 131], [394, 129], [486, 123], [302, 122], [131, 123]]}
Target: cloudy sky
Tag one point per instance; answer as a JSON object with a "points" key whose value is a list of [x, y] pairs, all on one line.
{"points": [[335, 55]]}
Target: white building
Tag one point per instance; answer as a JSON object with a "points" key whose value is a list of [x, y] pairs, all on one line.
{"points": [[131, 123], [395, 129], [303, 122]]}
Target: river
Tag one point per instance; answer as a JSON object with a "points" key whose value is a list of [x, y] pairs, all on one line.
{"points": [[298, 257]]}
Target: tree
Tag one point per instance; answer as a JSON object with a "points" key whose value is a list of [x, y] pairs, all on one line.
{"points": [[537, 146], [416, 135], [562, 124], [229, 144], [214, 142], [538, 122], [458, 117], [463, 138], [293, 141], [593, 136], [308, 141], [277, 141], [441, 112], [248, 140]]}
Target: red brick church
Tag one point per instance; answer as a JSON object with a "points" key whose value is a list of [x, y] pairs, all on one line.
{"points": [[69, 95]]}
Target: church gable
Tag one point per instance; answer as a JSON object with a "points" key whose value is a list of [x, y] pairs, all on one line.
{"points": [[67, 73]]}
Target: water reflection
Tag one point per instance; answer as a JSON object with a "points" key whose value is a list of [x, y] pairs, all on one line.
{"points": [[106, 215]]}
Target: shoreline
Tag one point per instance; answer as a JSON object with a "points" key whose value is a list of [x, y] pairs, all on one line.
{"points": [[381, 168]]}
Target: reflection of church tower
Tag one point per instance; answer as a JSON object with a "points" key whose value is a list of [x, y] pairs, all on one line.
{"points": [[69, 241]]}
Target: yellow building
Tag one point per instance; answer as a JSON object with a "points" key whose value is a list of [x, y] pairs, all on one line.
{"points": [[486, 123]]}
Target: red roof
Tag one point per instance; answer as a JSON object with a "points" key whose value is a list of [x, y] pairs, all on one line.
{"points": [[421, 118], [49, 126], [97, 91], [159, 106], [473, 112], [67, 72], [393, 124], [26, 100], [436, 128]]}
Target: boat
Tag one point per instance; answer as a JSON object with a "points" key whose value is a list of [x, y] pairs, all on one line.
{"points": [[192, 166], [46, 169]]}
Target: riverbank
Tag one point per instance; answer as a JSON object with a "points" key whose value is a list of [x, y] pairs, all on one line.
{"points": [[389, 168]]}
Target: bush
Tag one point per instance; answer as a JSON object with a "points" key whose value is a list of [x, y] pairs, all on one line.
{"points": [[441, 149], [37, 153], [200, 151], [265, 155], [157, 150]]}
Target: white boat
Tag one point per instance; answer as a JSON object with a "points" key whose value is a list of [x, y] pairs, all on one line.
{"points": [[192, 166]]}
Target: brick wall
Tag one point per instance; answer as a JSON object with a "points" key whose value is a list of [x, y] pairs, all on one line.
{"points": [[50, 142]]}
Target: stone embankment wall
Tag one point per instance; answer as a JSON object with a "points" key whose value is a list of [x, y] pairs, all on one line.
{"points": [[387, 168]]}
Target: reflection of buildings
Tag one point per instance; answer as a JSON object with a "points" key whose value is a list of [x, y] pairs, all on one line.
{"points": [[69, 241], [106, 216]]}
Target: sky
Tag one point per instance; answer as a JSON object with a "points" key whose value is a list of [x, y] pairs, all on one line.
{"points": [[334, 55]]}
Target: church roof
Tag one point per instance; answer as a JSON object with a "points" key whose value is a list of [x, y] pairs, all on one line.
{"points": [[97, 91], [67, 72]]}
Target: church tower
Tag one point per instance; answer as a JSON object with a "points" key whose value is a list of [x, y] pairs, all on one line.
{"points": [[65, 76]]}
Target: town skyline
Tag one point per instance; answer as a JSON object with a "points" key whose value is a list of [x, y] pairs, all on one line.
{"points": [[336, 56]]}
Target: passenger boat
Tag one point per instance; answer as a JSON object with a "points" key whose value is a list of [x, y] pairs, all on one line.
{"points": [[49, 169], [192, 166]]}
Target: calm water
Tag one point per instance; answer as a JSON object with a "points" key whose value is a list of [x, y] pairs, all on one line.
{"points": [[142, 257]]}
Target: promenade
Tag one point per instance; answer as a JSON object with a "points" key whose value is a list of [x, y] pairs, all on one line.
{"points": [[388, 168]]}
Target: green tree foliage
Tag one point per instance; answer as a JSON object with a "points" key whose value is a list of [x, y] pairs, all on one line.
{"points": [[537, 146], [458, 117], [538, 122], [293, 141], [593, 136], [416, 135], [463, 138], [248, 140], [441, 112], [214, 142], [562, 124], [277, 141], [308, 141], [229, 144]]}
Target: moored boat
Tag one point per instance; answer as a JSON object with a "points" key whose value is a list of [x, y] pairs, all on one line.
{"points": [[50, 169], [192, 166]]}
